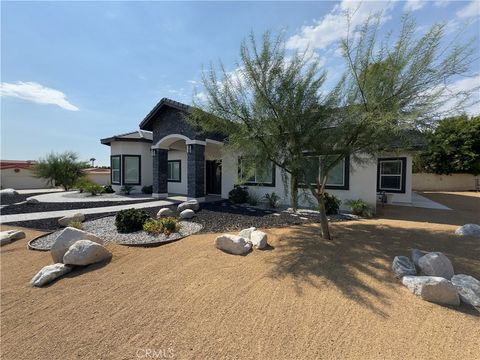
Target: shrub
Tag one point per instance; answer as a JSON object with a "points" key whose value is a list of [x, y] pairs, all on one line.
{"points": [[152, 227], [76, 224], [272, 200], [147, 189], [361, 208], [253, 199], [166, 226], [108, 189], [238, 194], [126, 189], [81, 184], [332, 204], [130, 220], [93, 189]]}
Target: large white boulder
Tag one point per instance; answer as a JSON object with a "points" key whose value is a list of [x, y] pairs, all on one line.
{"points": [[49, 273], [85, 252], [187, 214], [165, 212], [32, 201], [432, 288], [258, 239], [190, 204], [8, 192], [436, 264], [232, 244], [245, 233], [402, 266], [6, 237], [468, 230], [65, 221], [468, 288], [67, 238]]}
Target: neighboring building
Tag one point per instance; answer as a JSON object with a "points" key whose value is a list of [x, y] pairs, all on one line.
{"points": [[171, 155]]}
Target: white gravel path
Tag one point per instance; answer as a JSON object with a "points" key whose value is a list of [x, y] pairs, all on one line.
{"points": [[76, 196]]}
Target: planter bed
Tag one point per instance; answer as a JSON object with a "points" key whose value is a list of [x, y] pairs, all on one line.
{"points": [[8, 200]]}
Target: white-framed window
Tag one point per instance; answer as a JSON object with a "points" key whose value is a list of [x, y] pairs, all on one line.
{"points": [[391, 174], [131, 169], [257, 175], [174, 173], [337, 177], [115, 169]]}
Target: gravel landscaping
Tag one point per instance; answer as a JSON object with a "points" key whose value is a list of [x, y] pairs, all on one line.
{"points": [[8, 200]]}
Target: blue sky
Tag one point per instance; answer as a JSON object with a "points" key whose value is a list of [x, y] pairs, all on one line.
{"points": [[75, 72]]}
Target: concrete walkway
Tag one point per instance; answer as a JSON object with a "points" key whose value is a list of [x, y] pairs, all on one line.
{"points": [[420, 201], [75, 196], [98, 210]]}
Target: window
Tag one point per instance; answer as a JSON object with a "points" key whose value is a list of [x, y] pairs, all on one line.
{"points": [[131, 169], [391, 174], [115, 169], [337, 178], [257, 175], [174, 173]]}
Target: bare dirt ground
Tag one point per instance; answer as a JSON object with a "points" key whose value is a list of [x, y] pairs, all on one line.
{"points": [[305, 298]]}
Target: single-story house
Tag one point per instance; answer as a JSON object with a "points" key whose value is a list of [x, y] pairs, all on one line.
{"points": [[169, 154]]}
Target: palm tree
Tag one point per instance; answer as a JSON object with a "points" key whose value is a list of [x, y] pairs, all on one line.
{"points": [[93, 161]]}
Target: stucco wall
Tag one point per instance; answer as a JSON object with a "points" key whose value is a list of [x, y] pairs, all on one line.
{"points": [[181, 187], [454, 182], [22, 179], [100, 178]]}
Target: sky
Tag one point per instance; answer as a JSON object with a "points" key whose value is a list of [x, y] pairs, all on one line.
{"points": [[75, 72]]}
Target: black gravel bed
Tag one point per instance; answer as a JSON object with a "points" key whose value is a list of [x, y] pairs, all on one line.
{"points": [[219, 216], [54, 206], [8, 200]]}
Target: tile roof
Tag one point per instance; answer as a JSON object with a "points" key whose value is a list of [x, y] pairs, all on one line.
{"points": [[138, 135]]}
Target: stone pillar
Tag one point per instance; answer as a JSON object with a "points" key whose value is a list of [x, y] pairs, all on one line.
{"points": [[160, 170], [196, 171]]}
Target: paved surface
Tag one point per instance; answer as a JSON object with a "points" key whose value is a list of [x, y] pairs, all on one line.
{"points": [[32, 191], [422, 202], [75, 196]]}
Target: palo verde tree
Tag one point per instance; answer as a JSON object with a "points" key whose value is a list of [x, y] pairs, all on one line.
{"points": [[62, 169], [272, 107]]}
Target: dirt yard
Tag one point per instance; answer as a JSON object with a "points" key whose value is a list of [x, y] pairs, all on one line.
{"points": [[305, 298]]}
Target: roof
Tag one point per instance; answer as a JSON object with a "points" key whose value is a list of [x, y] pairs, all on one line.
{"points": [[16, 164], [146, 123], [138, 135]]}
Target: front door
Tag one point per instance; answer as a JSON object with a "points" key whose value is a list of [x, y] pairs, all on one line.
{"points": [[213, 170]]}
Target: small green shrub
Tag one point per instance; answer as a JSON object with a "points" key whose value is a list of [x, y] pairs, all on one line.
{"points": [[93, 189], [130, 220], [238, 195], [272, 200], [165, 226], [108, 189], [81, 184], [253, 199], [147, 189], [361, 208], [332, 203], [126, 189], [152, 227], [76, 224]]}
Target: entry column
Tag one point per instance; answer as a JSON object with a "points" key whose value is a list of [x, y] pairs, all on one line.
{"points": [[196, 171], [160, 170]]}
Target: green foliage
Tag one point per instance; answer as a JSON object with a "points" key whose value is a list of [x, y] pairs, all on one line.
{"points": [[253, 199], [272, 200], [147, 189], [62, 169], [454, 147], [108, 189], [81, 184], [126, 189], [238, 195], [76, 224], [165, 226], [361, 208], [130, 220], [332, 203], [94, 189]]}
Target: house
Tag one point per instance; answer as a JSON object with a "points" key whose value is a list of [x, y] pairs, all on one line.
{"points": [[169, 154]]}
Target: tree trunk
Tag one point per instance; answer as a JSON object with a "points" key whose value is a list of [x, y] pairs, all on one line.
{"points": [[321, 208], [294, 192]]}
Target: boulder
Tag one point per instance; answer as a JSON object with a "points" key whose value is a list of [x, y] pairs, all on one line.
{"points": [[232, 244], [468, 288], [165, 212], [436, 264], [416, 255], [433, 288], [32, 201], [190, 204], [6, 237], [187, 214], [49, 273], [8, 193], [468, 230], [245, 233], [402, 266], [86, 252], [65, 221], [258, 239], [67, 238]]}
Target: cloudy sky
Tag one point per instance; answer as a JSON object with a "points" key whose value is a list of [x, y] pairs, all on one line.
{"points": [[75, 72]]}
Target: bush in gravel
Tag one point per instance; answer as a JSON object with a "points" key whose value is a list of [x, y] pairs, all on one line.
{"points": [[147, 189], [272, 200], [126, 189], [130, 220], [361, 208], [107, 189], [165, 226], [93, 189], [332, 204], [81, 184], [76, 224], [238, 195], [253, 199]]}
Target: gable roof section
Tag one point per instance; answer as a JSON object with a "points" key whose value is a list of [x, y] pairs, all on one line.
{"points": [[146, 123], [138, 136]]}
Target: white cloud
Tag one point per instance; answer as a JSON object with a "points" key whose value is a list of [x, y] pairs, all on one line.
{"points": [[32, 91], [414, 5], [333, 26], [441, 3], [193, 82], [456, 100], [471, 10]]}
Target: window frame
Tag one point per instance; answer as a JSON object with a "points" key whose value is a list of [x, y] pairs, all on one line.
{"points": [[139, 157], [346, 175], [403, 174], [179, 171], [119, 169], [255, 183]]}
